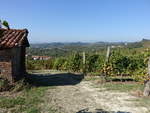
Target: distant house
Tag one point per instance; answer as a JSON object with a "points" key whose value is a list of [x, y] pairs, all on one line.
{"points": [[13, 45], [41, 57]]}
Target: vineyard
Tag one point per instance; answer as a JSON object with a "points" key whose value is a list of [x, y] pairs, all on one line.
{"points": [[124, 62]]}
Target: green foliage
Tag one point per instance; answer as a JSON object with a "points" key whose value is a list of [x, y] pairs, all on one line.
{"points": [[140, 75], [75, 62], [124, 62], [107, 70], [124, 87], [5, 23], [119, 62], [58, 63], [39, 64], [92, 63]]}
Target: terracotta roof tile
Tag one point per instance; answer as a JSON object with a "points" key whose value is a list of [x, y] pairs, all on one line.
{"points": [[13, 38]]}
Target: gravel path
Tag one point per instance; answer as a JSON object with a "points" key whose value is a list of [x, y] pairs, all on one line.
{"points": [[85, 98]]}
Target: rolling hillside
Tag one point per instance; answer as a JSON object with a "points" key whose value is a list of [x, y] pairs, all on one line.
{"points": [[63, 49]]}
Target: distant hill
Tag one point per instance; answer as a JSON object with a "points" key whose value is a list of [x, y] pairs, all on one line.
{"points": [[61, 44], [63, 49], [146, 43]]}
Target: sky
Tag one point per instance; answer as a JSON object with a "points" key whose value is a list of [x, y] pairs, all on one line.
{"points": [[79, 20]]}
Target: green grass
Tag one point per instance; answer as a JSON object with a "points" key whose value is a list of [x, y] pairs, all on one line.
{"points": [[122, 87], [91, 78], [115, 86], [28, 101], [10, 102]]}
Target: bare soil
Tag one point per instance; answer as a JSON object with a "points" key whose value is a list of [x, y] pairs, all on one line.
{"points": [[84, 97], [70, 93]]}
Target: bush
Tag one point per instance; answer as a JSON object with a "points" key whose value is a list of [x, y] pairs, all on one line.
{"points": [[58, 63], [91, 63], [39, 64], [140, 75], [75, 62]]}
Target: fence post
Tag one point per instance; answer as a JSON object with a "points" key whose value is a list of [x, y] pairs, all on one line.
{"points": [[84, 64], [148, 66], [107, 54], [147, 83], [107, 59]]}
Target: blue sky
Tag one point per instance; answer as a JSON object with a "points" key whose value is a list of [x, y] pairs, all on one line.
{"points": [[79, 20]]}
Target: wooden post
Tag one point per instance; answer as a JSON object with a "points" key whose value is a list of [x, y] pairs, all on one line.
{"points": [[84, 58], [107, 54], [147, 83], [148, 67], [84, 63], [107, 59]]}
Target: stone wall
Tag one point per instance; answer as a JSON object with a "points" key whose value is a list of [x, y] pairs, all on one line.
{"points": [[6, 64], [12, 63]]}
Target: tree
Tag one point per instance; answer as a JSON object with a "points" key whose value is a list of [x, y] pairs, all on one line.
{"points": [[4, 23]]}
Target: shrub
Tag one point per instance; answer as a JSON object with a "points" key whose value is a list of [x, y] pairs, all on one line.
{"points": [[58, 63], [75, 62], [141, 75]]}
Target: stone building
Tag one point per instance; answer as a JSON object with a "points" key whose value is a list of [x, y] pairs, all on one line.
{"points": [[13, 45]]}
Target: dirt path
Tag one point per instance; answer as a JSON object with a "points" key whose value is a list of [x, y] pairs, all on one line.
{"points": [[85, 98]]}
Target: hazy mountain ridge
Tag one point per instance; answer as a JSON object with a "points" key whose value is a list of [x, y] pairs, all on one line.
{"points": [[62, 44], [63, 49]]}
